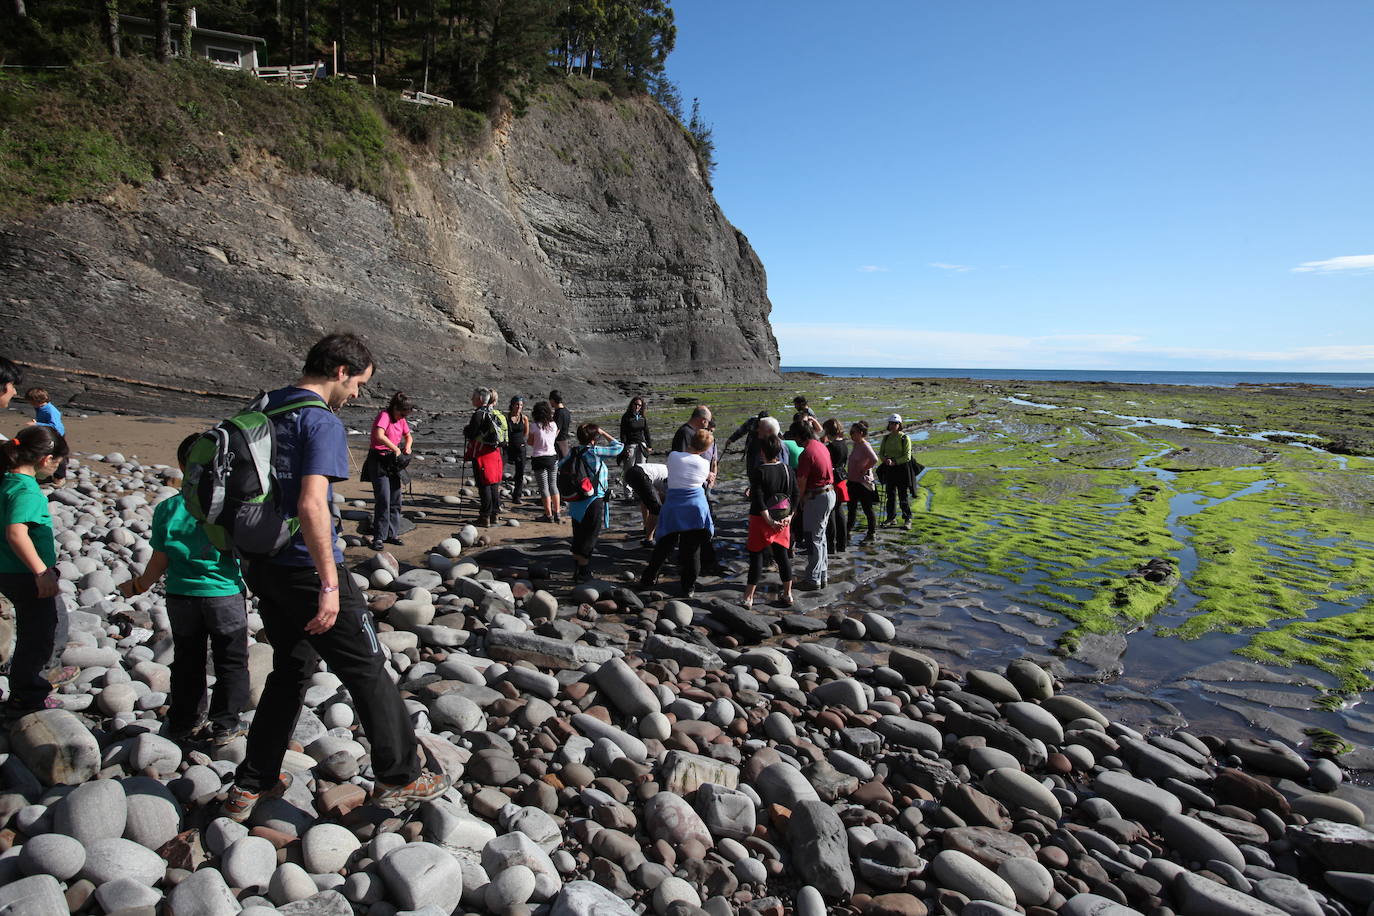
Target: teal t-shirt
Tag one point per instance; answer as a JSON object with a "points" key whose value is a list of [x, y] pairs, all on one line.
{"points": [[794, 451], [195, 567], [22, 503]]}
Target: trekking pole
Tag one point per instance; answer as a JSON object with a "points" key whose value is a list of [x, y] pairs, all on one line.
{"points": [[463, 480]]}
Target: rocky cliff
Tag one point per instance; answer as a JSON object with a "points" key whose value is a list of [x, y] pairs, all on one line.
{"points": [[576, 246]]}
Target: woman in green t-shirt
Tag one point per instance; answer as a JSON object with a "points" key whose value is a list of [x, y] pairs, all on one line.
{"points": [[27, 578], [205, 601]]}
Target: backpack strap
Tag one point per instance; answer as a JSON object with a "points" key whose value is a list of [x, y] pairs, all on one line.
{"points": [[264, 466], [295, 405]]}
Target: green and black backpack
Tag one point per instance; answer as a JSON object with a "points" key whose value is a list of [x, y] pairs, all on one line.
{"points": [[231, 481]]}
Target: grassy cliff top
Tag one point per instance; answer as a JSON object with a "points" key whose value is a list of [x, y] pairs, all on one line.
{"points": [[76, 134]]}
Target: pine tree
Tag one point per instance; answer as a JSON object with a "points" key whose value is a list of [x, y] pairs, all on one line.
{"points": [[701, 134]]}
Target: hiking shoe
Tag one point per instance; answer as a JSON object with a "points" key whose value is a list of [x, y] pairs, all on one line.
{"points": [[179, 733], [397, 541], [377, 545], [63, 675], [545, 519], [427, 785], [219, 737], [240, 802]]}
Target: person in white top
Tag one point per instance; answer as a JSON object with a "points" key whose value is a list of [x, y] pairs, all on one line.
{"points": [[649, 483], [686, 469], [686, 517]]}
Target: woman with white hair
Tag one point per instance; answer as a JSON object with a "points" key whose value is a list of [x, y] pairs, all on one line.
{"points": [[485, 432]]}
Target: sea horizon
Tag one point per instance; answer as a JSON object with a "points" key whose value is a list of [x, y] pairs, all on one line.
{"points": [[1193, 378]]}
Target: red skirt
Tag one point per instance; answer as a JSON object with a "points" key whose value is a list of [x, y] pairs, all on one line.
{"points": [[761, 535], [841, 491], [487, 465]]}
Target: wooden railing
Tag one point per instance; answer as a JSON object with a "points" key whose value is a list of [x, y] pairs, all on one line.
{"points": [[424, 98], [298, 76]]}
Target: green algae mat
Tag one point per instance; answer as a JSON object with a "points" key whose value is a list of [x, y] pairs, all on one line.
{"points": [[1183, 510]]}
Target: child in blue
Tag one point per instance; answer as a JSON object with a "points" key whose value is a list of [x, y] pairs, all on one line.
{"points": [[205, 602], [27, 578], [46, 414]]}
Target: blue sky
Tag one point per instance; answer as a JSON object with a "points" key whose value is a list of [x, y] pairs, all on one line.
{"points": [[1044, 184]]}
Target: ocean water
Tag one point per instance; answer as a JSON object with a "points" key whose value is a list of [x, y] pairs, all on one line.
{"points": [[1127, 377]]}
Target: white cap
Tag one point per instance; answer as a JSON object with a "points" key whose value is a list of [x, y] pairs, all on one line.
{"points": [[895, 418]]}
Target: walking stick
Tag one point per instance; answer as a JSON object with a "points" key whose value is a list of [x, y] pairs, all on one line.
{"points": [[463, 480]]}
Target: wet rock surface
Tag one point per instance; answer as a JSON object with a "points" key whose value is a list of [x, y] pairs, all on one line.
{"points": [[621, 752]]}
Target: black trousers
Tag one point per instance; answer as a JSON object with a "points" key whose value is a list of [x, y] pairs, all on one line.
{"points": [[586, 532], [780, 557], [223, 622], [898, 492], [860, 496], [288, 598], [40, 626], [836, 532], [489, 501], [386, 506], [643, 489], [694, 550], [517, 461]]}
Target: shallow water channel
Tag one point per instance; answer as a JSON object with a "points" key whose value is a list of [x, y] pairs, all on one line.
{"points": [[985, 619]]}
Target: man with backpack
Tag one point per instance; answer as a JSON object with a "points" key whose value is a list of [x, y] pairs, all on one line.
{"points": [[310, 606], [582, 484]]}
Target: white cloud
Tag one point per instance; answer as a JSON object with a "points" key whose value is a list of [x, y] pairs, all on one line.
{"points": [[958, 268], [846, 345], [1331, 265], [872, 269]]}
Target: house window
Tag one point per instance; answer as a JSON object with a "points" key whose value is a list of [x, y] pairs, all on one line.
{"points": [[224, 56]]}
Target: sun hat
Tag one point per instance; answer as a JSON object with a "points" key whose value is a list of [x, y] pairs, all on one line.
{"points": [[895, 418]]}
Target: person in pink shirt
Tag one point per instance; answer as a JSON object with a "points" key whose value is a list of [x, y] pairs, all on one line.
{"points": [[387, 457], [816, 486], [542, 440], [863, 484]]}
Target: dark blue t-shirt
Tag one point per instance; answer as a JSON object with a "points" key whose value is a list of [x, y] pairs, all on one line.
{"points": [[309, 441]]}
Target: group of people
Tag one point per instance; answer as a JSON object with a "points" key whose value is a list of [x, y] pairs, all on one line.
{"points": [[312, 609], [310, 606], [797, 481]]}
